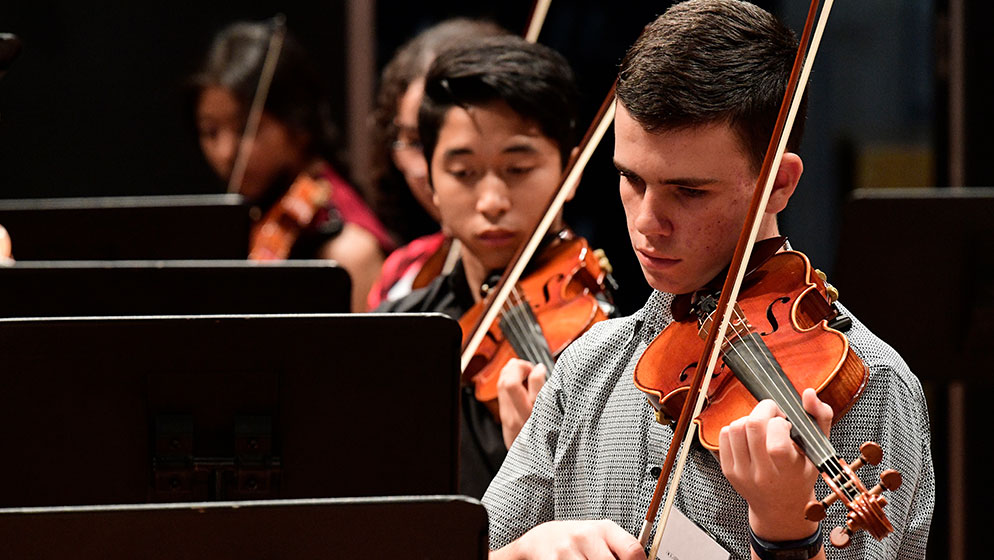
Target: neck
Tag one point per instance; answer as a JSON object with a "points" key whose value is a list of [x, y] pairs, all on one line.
{"points": [[476, 274]]}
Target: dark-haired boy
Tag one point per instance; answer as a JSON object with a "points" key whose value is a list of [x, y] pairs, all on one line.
{"points": [[697, 98], [497, 124]]}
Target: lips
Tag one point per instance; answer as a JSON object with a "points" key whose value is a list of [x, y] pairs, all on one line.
{"points": [[496, 237], [655, 260]]}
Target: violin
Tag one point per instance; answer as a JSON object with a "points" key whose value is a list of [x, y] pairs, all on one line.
{"points": [[779, 338], [548, 309], [442, 261], [274, 235]]}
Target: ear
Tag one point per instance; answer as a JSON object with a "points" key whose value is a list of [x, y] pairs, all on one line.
{"points": [[572, 154], [788, 176]]}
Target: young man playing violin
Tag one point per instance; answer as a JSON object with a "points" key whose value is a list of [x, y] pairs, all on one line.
{"points": [[497, 123], [697, 98]]}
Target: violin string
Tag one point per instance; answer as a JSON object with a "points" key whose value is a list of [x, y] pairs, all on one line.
{"points": [[543, 354], [816, 438], [832, 468], [511, 324], [772, 382], [526, 327], [523, 327], [527, 334]]}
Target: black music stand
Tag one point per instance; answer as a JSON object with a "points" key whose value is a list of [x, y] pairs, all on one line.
{"points": [[404, 527], [112, 288], [168, 409], [917, 267], [132, 227]]}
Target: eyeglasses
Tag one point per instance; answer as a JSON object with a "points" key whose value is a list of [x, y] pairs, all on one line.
{"points": [[406, 138], [404, 145]]}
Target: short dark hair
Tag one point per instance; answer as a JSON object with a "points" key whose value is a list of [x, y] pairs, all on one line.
{"points": [[535, 81], [710, 61]]}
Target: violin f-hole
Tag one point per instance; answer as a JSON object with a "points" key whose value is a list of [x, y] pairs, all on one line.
{"points": [[774, 325], [545, 287]]}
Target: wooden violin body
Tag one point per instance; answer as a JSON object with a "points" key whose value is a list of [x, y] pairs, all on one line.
{"points": [[274, 235], [559, 293], [786, 304], [779, 344]]}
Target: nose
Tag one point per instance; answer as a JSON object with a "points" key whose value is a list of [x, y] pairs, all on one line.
{"points": [[223, 152], [492, 199], [652, 218]]}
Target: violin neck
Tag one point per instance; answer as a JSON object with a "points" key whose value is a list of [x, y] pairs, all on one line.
{"points": [[750, 359]]}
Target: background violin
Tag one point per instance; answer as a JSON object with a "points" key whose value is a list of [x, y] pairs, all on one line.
{"points": [[274, 235], [548, 309]]}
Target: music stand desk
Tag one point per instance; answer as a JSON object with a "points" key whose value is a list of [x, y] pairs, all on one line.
{"points": [[128, 227], [119, 288], [196, 408], [394, 527]]}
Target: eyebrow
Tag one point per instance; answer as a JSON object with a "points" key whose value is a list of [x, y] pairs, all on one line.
{"points": [[456, 152], [682, 181], [521, 148]]}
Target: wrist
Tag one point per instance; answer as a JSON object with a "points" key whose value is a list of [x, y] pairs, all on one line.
{"points": [[781, 524], [796, 549]]}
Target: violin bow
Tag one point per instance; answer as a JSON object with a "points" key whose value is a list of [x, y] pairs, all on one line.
{"points": [[730, 290], [258, 103], [539, 10]]}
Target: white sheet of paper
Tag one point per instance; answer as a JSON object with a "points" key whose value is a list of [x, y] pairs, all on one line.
{"points": [[684, 540]]}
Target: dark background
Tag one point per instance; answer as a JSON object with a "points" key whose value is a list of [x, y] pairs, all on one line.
{"points": [[95, 106]]}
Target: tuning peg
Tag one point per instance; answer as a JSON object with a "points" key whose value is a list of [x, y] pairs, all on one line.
{"points": [[840, 537], [890, 479], [815, 510], [869, 453], [602, 260]]}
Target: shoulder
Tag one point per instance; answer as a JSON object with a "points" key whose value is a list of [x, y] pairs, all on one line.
{"points": [[414, 252], [605, 352], [887, 368], [353, 209], [892, 411], [436, 296]]}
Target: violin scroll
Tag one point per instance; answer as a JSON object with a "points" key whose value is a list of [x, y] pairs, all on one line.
{"points": [[866, 507]]}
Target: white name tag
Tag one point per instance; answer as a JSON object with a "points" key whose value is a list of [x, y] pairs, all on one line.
{"points": [[684, 540]]}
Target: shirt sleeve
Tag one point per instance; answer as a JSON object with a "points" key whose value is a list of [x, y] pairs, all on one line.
{"points": [[521, 496]]}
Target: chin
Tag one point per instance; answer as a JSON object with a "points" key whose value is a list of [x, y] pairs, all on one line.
{"points": [[667, 285]]}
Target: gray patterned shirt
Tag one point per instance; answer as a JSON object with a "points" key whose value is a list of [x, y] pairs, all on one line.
{"points": [[590, 447]]}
